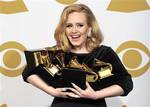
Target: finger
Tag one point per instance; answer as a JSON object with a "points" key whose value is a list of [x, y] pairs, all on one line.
{"points": [[88, 85], [75, 91], [72, 95], [77, 88], [63, 94], [62, 89], [66, 94]]}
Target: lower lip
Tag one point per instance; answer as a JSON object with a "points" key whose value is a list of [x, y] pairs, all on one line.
{"points": [[75, 39]]}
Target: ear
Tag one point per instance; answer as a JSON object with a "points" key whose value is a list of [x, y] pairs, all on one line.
{"points": [[90, 29], [89, 32]]}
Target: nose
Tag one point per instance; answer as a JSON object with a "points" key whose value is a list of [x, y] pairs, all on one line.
{"points": [[74, 29]]}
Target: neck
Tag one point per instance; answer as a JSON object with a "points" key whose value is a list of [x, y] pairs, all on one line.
{"points": [[79, 50]]}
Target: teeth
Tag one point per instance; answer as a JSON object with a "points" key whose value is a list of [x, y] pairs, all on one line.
{"points": [[75, 36]]}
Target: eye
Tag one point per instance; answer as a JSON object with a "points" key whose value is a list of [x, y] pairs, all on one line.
{"points": [[80, 25], [68, 25], [135, 56], [13, 60]]}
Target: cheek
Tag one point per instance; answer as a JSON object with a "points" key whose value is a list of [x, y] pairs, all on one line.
{"points": [[67, 34], [84, 32], [67, 31]]}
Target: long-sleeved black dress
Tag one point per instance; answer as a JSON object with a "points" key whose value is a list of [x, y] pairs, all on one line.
{"points": [[103, 53]]}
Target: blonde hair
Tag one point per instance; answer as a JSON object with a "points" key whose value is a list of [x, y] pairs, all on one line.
{"points": [[93, 40]]}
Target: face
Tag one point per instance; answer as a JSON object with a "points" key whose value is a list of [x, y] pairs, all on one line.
{"points": [[77, 29]]}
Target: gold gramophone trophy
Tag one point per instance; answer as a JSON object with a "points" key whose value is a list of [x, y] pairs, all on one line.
{"points": [[100, 69], [44, 58], [52, 67], [104, 69]]}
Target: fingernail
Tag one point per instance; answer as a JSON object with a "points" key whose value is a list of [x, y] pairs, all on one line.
{"points": [[64, 89], [76, 96]]}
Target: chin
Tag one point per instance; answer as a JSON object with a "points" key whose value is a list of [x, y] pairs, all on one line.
{"points": [[76, 44]]}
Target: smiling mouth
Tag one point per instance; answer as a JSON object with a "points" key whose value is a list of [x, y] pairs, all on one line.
{"points": [[75, 37]]}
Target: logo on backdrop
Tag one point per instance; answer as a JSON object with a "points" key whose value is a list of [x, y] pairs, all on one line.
{"points": [[12, 7], [3, 105], [66, 1], [128, 5], [134, 57], [15, 6], [12, 62]]}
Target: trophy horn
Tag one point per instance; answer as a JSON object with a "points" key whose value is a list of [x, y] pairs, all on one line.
{"points": [[74, 63]]}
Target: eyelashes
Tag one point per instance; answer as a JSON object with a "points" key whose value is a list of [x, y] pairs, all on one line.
{"points": [[68, 26], [80, 25], [77, 25]]}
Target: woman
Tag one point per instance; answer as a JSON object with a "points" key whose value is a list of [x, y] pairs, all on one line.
{"points": [[79, 36]]}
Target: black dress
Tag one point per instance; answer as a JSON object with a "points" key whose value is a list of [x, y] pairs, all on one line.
{"points": [[120, 77]]}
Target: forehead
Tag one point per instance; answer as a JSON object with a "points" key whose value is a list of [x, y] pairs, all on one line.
{"points": [[76, 17]]}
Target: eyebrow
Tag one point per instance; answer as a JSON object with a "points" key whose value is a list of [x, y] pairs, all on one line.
{"points": [[76, 23]]}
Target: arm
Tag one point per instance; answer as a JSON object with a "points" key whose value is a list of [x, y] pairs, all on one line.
{"points": [[111, 91], [36, 81], [120, 84], [38, 78]]}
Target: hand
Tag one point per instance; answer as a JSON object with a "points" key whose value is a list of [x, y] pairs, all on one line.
{"points": [[88, 93], [62, 92]]}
